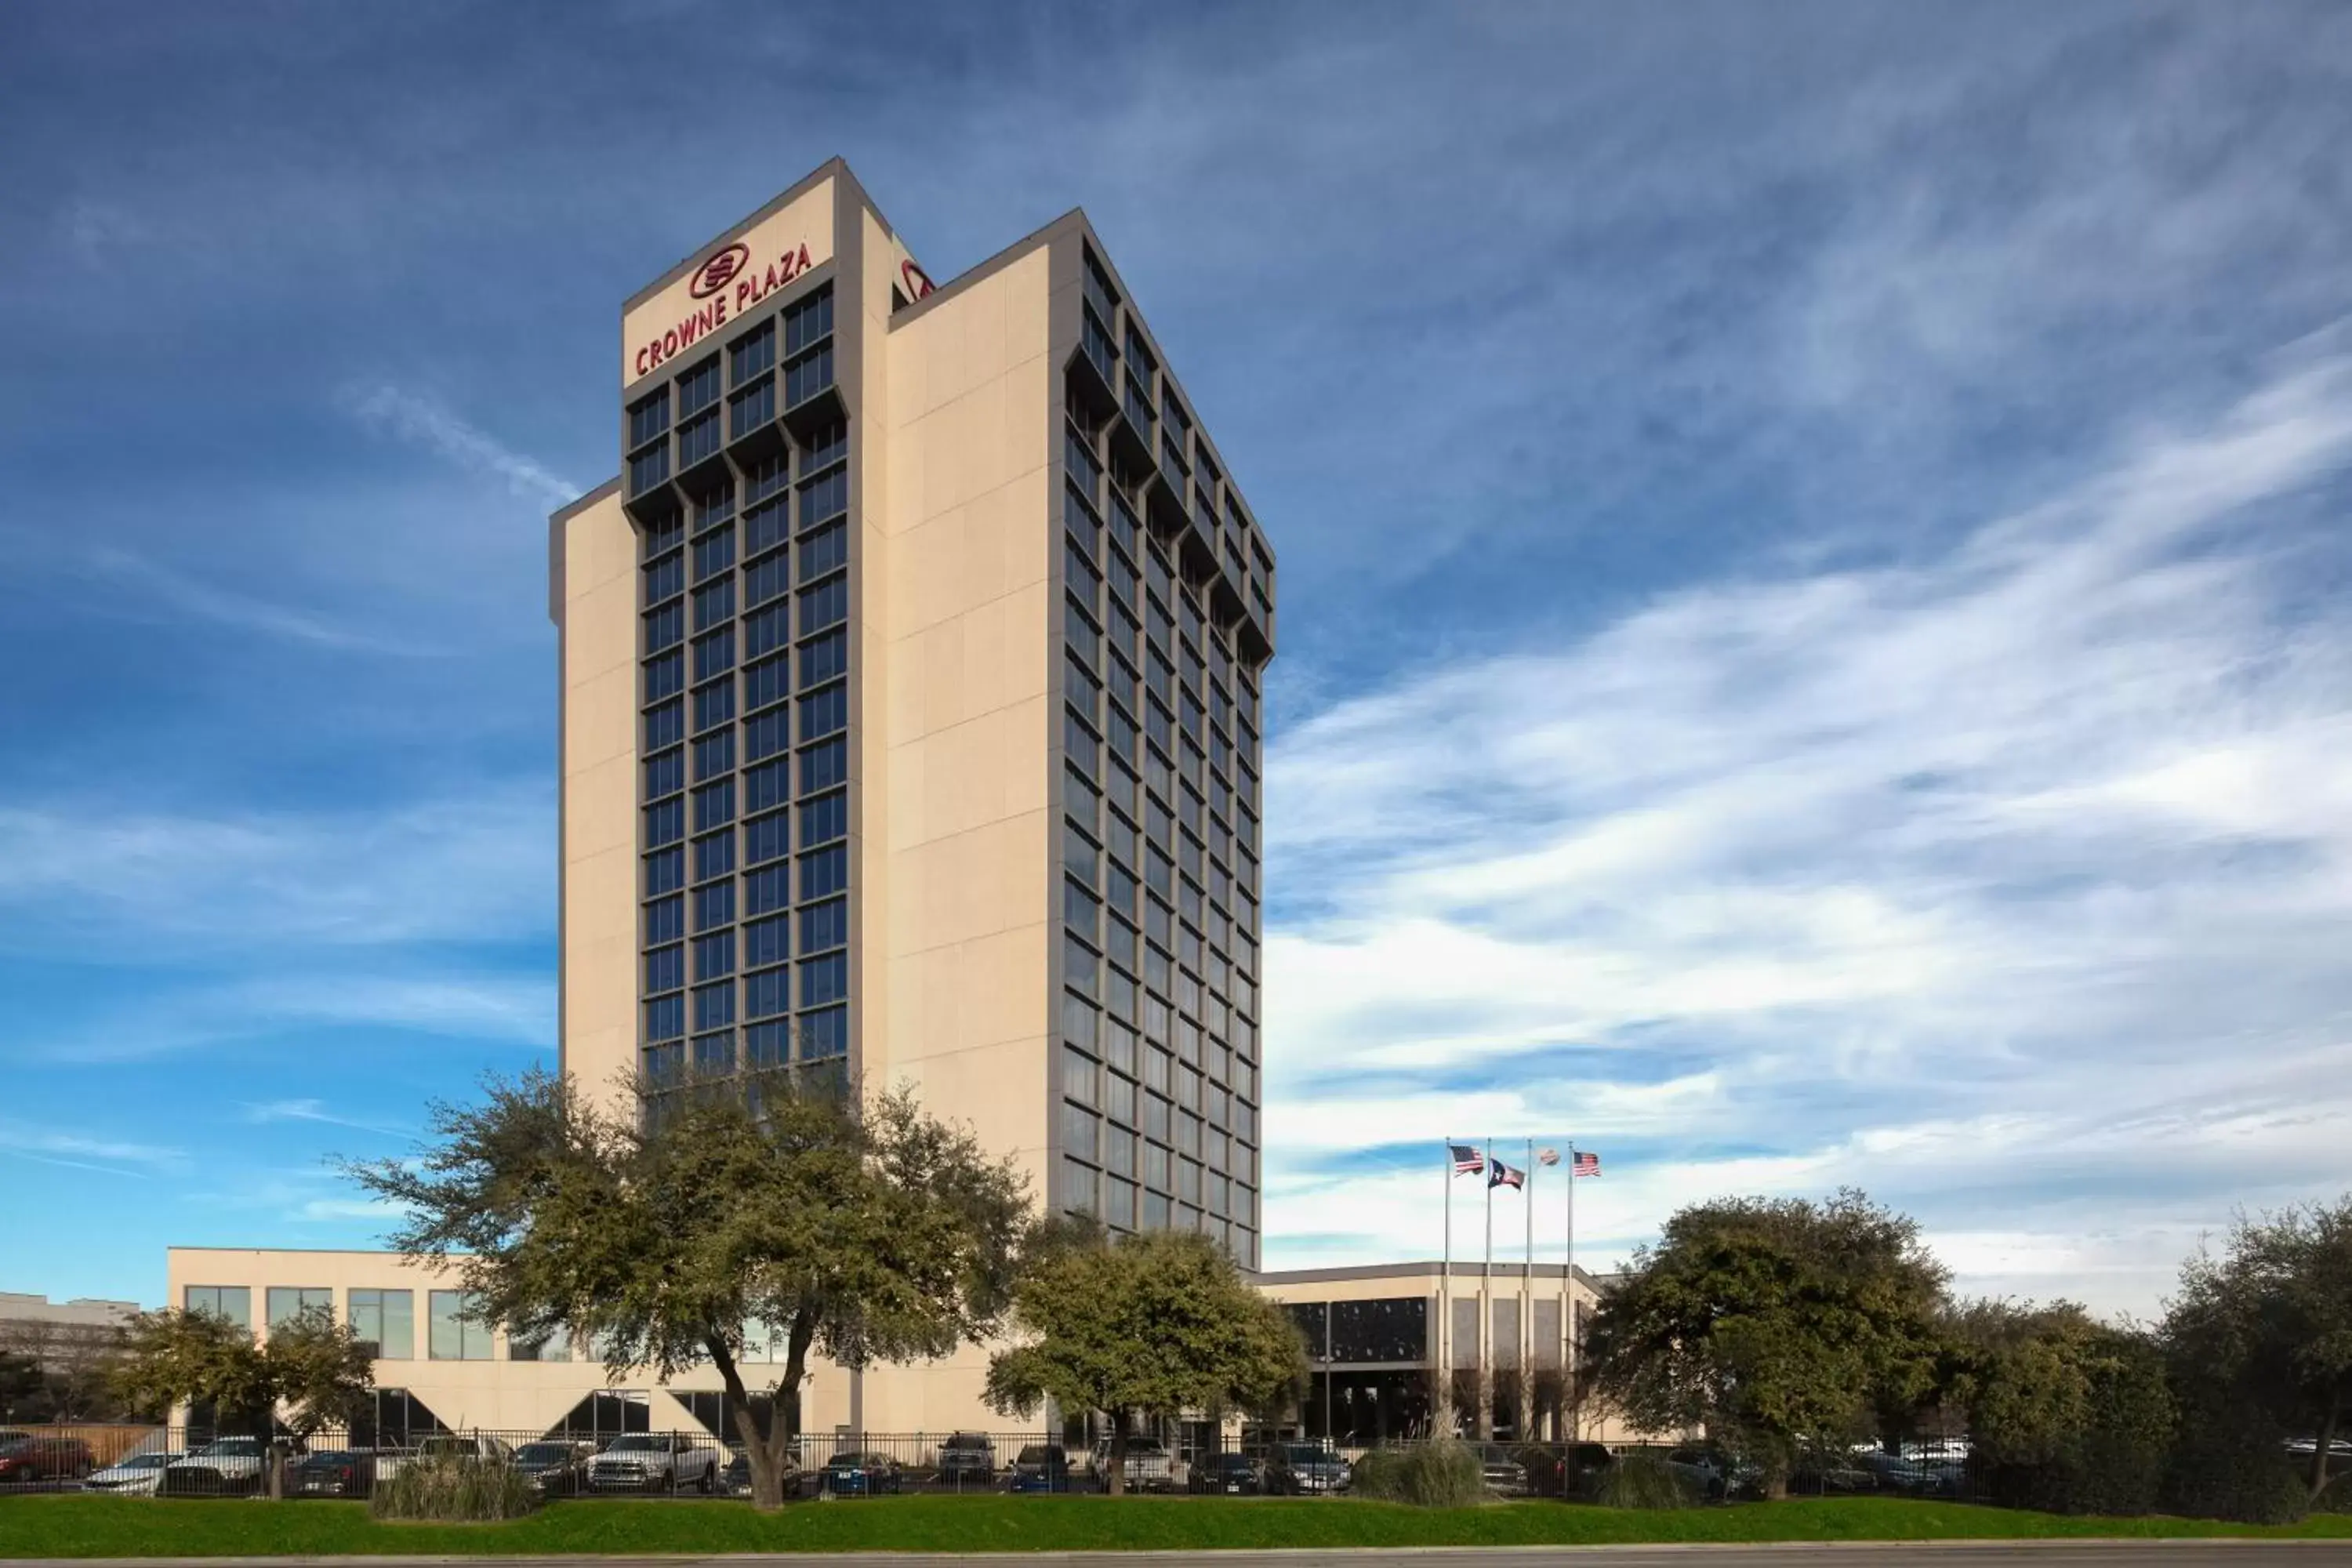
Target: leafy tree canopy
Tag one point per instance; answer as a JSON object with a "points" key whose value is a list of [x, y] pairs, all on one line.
{"points": [[1772, 1323], [310, 1372], [865, 1232], [1158, 1322], [2065, 1413], [2266, 1328]]}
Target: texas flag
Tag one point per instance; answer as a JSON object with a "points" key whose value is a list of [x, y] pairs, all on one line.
{"points": [[1507, 1176]]}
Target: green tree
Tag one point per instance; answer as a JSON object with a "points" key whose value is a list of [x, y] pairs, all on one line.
{"points": [[2266, 1329], [868, 1233], [1152, 1325], [2064, 1412], [310, 1372], [1776, 1324]]}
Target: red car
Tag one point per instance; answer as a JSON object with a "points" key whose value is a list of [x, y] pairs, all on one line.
{"points": [[28, 1459]]}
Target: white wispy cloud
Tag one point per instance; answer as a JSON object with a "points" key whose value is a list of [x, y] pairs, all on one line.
{"points": [[2012, 878], [185, 595], [424, 421], [88, 1151], [312, 1110]]}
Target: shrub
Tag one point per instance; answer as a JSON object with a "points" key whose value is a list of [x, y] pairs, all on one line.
{"points": [[1444, 1473], [1645, 1480], [453, 1488], [2235, 1469]]}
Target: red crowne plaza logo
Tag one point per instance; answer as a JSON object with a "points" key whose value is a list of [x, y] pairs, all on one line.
{"points": [[720, 271]]}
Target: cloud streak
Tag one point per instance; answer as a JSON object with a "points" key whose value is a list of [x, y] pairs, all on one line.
{"points": [[423, 422]]}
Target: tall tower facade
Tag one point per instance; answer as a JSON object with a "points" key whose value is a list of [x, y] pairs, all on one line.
{"points": [[911, 716]]}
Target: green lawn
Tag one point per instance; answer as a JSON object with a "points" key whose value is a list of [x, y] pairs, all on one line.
{"points": [[70, 1526]]}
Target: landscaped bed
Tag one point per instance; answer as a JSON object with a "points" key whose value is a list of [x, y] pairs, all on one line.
{"points": [[72, 1526]]}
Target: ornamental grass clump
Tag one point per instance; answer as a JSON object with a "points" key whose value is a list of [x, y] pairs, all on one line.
{"points": [[1444, 1473], [453, 1488], [1645, 1481]]}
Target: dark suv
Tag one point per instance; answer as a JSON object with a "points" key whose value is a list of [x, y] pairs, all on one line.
{"points": [[967, 1456]]}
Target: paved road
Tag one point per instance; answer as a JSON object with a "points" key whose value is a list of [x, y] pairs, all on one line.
{"points": [[1841, 1554]]}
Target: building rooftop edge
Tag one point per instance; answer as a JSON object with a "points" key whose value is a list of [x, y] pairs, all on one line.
{"points": [[834, 166]]}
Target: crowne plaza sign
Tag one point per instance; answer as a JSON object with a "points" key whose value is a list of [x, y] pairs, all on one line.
{"points": [[726, 282]]}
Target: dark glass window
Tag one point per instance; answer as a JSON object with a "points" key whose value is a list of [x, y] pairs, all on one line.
{"points": [[666, 1018], [824, 871], [664, 578], [825, 1035], [698, 388], [808, 320], [713, 704], [765, 579], [714, 955], [666, 919], [714, 754], [765, 1045], [648, 469], [714, 653], [824, 819], [766, 838], [1394, 1328], [664, 871], [826, 605], [825, 496], [830, 445], [767, 630], [714, 855], [752, 352], [765, 734], [664, 626], [714, 906], [665, 725], [748, 410], [713, 603], [767, 942], [825, 765], [824, 925], [823, 657], [770, 680], [666, 676], [664, 823], [824, 712], [767, 525], [825, 551], [825, 980], [697, 439], [649, 416], [714, 552], [714, 1006], [665, 773], [766, 890], [808, 376], [767, 995], [714, 1054], [769, 785], [665, 969]]}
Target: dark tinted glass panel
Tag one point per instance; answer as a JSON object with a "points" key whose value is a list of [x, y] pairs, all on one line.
{"points": [[822, 767], [1395, 1328], [767, 890], [823, 657], [824, 925]]}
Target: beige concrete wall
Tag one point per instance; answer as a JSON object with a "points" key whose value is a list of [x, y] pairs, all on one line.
{"points": [[958, 800], [599, 799]]}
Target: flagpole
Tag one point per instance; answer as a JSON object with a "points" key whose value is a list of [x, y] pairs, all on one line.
{"points": [[1445, 1390], [1528, 1303], [1567, 1308], [1487, 1312]]}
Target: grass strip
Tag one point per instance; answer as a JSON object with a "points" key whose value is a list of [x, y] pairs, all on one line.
{"points": [[75, 1526]]}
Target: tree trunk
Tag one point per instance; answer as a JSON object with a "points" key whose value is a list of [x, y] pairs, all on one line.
{"points": [[1119, 1420], [2327, 1440], [765, 1454]]}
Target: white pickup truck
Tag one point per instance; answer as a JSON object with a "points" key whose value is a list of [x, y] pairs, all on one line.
{"points": [[1149, 1467], [657, 1462]]}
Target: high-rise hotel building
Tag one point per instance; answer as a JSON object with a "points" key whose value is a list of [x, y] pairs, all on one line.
{"points": [[911, 709]]}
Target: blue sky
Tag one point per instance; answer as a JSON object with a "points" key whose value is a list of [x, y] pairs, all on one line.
{"points": [[1814, 551]]}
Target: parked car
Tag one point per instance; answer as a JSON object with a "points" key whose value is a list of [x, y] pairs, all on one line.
{"points": [[226, 1467], [1229, 1475], [967, 1456], [555, 1467], [1149, 1466], [1893, 1473], [25, 1457], [332, 1472], [735, 1480], [1302, 1469], [863, 1475], [657, 1462], [135, 1475], [1830, 1473], [1041, 1467], [1502, 1471]]}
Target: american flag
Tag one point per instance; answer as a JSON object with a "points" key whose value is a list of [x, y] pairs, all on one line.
{"points": [[1546, 1156], [1507, 1176], [1467, 1161], [1586, 1165]]}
